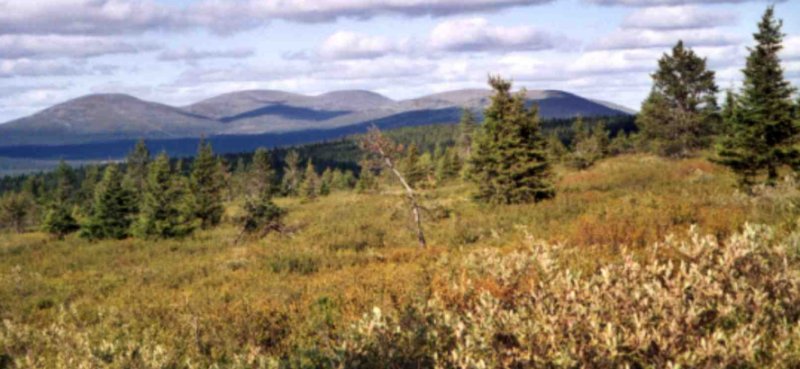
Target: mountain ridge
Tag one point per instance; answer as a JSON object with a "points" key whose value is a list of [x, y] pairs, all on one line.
{"points": [[108, 117]]}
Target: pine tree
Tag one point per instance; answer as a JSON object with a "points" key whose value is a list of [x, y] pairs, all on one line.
{"points": [[58, 220], [588, 146], [112, 209], [136, 167], [291, 174], [763, 132], [310, 187], [510, 161], [161, 215], [680, 114], [206, 185]]}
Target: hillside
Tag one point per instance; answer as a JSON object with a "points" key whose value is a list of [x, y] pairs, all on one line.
{"points": [[104, 118]]}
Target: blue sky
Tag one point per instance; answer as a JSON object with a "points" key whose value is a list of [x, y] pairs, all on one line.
{"points": [[182, 51]]}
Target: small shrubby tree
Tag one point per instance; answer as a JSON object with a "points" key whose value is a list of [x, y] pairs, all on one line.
{"points": [[510, 163], [448, 165], [206, 185], [680, 114], [161, 214], [588, 145], [466, 131], [761, 129], [261, 174], [112, 208]]}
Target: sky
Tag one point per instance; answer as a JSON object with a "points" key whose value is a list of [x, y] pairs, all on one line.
{"points": [[179, 52]]}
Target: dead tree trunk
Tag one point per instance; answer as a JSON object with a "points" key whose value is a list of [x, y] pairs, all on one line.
{"points": [[378, 145]]}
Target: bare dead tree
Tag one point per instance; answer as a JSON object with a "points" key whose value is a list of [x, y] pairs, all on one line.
{"points": [[383, 152]]}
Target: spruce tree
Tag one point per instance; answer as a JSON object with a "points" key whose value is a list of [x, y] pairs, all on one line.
{"points": [[410, 166], [136, 167], [161, 215], [556, 148], [466, 130], [58, 219], [448, 165], [14, 210], [206, 185], [763, 132], [367, 181], [262, 176], [680, 114], [510, 162], [112, 208], [326, 182], [310, 187], [292, 177]]}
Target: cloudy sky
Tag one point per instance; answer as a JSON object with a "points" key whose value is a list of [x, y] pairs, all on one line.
{"points": [[181, 51]]}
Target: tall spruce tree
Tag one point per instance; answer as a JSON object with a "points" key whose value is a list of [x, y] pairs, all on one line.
{"points": [[763, 131], [510, 162], [58, 219], [161, 215], [466, 131], [136, 167], [680, 115], [206, 185], [112, 208]]}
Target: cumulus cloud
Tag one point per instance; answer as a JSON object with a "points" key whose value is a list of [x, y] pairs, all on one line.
{"points": [[228, 16], [791, 48], [84, 16], [56, 46], [191, 55], [350, 45], [627, 39], [223, 16], [677, 17], [476, 34]]}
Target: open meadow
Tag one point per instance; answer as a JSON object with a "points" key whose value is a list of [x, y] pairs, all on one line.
{"points": [[299, 298]]}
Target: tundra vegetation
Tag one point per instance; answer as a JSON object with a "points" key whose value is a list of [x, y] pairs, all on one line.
{"points": [[672, 246]]}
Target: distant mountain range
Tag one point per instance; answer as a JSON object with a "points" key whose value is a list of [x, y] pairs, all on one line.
{"points": [[105, 118]]}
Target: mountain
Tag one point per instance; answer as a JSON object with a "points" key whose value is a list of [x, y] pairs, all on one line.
{"points": [[105, 117], [110, 117]]}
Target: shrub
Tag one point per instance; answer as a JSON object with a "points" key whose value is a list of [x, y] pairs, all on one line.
{"points": [[732, 304]]}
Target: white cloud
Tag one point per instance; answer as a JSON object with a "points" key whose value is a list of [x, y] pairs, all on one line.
{"points": [[678, 17], [83, 16], [191, 55], [37, 68], [673, 2], [350, 45], [476, 34], [628, 39], [791, 48], [228, 15], [56, 46]]}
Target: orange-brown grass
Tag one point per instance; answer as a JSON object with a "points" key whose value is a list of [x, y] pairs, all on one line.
{"points": [[205, 300]]}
